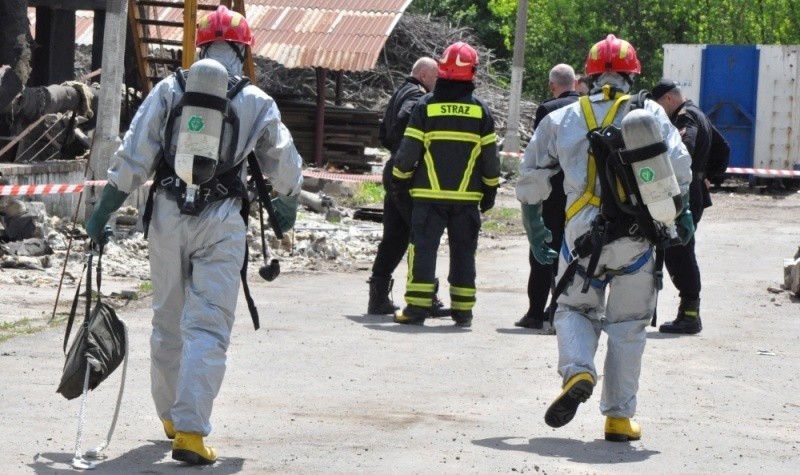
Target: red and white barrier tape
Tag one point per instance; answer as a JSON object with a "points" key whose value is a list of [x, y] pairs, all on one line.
{"points": [[342, 176], [511, 154], [20, 190], [761, 171]]}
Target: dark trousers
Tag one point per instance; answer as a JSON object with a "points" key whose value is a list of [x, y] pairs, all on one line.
{"points": [[428, 222], [394, 242], [541, 276], [680, 261]]}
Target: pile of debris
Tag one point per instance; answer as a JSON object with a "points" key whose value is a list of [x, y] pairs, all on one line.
{"points": [[414, 36]]}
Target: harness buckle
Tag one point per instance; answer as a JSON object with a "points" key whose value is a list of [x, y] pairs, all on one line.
{"points": [[222, 189], [633, 229], [166, 181], [573, 255]]}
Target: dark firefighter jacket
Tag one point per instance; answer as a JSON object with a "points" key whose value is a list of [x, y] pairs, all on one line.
{"points": [[449, 151]]}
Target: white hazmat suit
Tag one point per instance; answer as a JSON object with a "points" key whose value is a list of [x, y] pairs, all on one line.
{"points": [[560, 143], [195, 260]]}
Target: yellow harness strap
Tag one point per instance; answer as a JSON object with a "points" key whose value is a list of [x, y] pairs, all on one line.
{"points": [[589, 197]]}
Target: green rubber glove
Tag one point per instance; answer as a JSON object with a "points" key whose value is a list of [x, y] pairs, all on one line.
{"points": [[286, 211], [685, 222], [110, 201], [538, 234]]}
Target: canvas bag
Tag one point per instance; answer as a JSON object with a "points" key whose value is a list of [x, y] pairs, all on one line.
{"points": [[101, 340]]}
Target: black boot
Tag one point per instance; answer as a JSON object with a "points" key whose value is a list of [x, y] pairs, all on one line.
{"points": [[463, 318], [438, 309], [379, 301], [529, 321], [688, 320]]}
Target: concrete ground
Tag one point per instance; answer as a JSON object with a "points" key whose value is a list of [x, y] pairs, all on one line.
{"points": [[323, 388]]}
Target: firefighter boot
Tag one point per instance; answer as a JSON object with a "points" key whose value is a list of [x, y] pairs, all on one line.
{"points": [[688, 320], [411, 315], [622, 429], [169, 429], [379, 301], [463, 318], [189, 447], [438, 309], [563, 409]]}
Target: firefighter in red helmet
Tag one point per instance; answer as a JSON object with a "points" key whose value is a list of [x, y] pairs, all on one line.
{"points": [[607, 276], [448, 163]]}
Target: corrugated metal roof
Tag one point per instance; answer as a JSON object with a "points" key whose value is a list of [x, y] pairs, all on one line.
{"points": [[334, 34], [84, 25]]}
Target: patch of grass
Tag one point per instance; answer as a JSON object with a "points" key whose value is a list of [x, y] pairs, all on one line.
{"points": [[367, 193], [146, 286], [502, 221], [24, 326]]}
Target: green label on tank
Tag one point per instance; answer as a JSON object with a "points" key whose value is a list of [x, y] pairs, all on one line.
{"points": [[196, 123], [646, 174]]}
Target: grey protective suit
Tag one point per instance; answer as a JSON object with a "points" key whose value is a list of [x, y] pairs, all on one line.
{"points": [[195, 260], [560, 143]]}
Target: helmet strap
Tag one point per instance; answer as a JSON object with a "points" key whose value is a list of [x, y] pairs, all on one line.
{"points": [[237, 50]]}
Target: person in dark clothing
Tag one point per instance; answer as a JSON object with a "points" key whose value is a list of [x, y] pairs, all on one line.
{"points": [[448, 164], [562, 85], [680, 261], [396, 214]]}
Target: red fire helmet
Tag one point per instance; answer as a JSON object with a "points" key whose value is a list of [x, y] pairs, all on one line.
{"points": [[459, 62], [223, 25], [612, 55]]}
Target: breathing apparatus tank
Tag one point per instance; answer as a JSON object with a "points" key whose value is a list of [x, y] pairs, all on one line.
{"points": [[654, 176], [201, 122]]}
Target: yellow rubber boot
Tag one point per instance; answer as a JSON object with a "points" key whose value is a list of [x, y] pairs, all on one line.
{"points": [[622, 429], [189, 447], [169, 429], [563, 409]]}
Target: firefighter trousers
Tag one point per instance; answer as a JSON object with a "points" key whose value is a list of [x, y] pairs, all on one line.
{"points": [[428, 223]]}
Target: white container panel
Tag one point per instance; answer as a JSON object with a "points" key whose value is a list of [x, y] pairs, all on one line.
{"points": [[777, 128], [683, 64]]}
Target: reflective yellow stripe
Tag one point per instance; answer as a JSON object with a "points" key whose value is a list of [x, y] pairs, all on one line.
{"points": [[473, 157], [433, 178], [419, 287], [419, 302], [414, 133], [396, 172], [487, 139], [588, 197], [410, 257], [491, 181], [462, 291], [446, 194], [455, 109], [462, 306], [453, 135]]}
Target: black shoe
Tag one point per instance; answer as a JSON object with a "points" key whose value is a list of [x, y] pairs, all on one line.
{"points": [[410, 316], [530, 322], [682, 325], [379, 301], [463, 318], [688, 320], [439, 310]]}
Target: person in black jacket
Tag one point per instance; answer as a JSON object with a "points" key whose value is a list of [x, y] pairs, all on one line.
{"points": [[448, 164], [680, 261], [562, 85], [396, 214]]}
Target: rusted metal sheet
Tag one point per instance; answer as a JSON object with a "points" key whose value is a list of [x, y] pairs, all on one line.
{"points": [[345, 35]]}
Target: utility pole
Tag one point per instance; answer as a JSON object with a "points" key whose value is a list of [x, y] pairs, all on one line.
{"points": [[511, 141], [106, 134]]}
